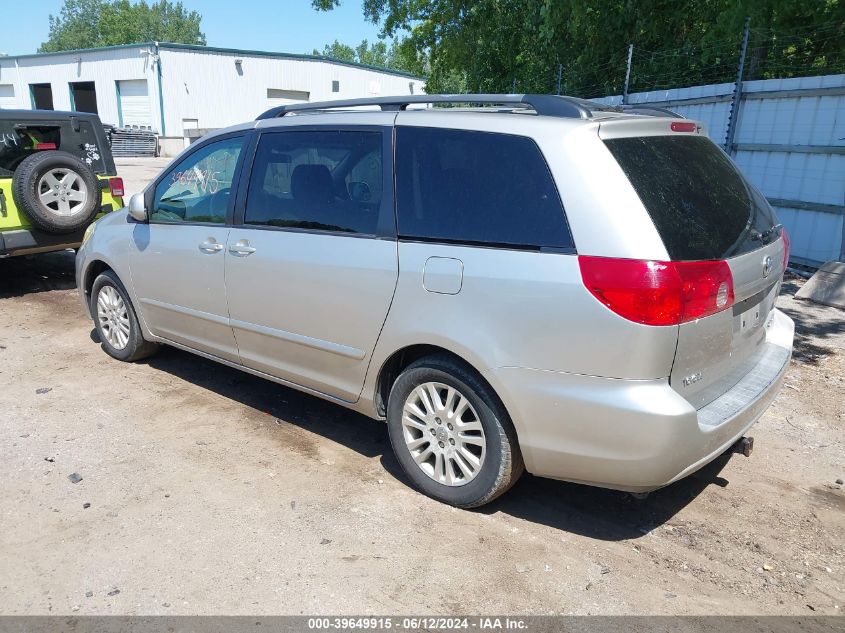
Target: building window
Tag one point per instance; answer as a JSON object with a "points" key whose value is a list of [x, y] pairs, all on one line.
{"points": [[7, 96], [281, 95], [42, 96], [335, 86], [83, 96]]}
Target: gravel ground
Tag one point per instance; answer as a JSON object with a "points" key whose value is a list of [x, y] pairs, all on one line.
{"points": [[215, 492]]}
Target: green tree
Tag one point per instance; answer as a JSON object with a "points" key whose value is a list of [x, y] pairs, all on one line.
{"points": [[336, 50], [398, 56], [76, 26], [93, 23], [488, 45]]}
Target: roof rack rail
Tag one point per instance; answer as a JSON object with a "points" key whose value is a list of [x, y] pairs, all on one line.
{"points": [[546, 105]]}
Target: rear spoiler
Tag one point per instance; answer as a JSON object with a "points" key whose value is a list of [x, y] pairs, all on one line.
{"points": [[648, 110], [654, 125]]}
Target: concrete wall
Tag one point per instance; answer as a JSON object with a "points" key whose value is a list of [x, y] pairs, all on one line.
{"points": [[789, 141]]}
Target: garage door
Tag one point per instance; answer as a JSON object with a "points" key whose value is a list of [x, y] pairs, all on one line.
{"points": [[7, 96], [135, 103]]}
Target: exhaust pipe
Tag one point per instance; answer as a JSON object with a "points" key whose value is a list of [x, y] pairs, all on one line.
{"points": [[743, 445]]}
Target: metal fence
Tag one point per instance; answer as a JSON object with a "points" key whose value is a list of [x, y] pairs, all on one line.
{"points": [[789, 140]]}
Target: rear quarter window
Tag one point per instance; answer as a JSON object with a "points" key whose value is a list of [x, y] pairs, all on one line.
{"points": [[476, 188], [702, 206], [18, 140]]}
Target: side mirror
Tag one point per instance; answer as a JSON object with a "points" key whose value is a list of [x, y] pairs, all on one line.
{"points": [[359, 192], [137, 208]]}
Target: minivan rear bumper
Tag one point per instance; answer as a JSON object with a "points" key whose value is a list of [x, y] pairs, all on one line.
{"points": [[634, 435]]}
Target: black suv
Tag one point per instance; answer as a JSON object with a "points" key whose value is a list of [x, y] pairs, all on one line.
{"points": [[57, 175]]}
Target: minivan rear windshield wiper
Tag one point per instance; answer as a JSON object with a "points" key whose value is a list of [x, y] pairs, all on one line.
{"points": [[767, 235]]}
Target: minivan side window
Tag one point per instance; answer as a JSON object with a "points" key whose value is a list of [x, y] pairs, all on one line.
{"points": [[476, 188], [198, 188], [326, 180]]}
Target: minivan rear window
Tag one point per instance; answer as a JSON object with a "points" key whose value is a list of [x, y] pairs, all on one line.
{"points": [[701, 205]]}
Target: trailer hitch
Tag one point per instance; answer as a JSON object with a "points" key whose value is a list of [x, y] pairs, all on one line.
{"points": [[743, 445]]}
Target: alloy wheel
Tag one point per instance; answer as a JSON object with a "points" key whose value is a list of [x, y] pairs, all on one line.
{"points": [[113, 317], [443, 433], [63, 191]]}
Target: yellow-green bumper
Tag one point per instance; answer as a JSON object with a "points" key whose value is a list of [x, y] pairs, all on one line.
{"points": [[19, 237]]}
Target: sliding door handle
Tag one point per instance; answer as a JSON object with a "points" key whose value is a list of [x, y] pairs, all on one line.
{"points": [[210, 246], [241, 248]]}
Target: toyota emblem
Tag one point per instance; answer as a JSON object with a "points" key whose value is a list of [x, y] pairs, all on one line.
{"points": [[767, 265]]}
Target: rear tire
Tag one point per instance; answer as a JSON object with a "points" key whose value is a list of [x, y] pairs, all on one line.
{"points": [[116, 322], [57, 191], [451, 434]]}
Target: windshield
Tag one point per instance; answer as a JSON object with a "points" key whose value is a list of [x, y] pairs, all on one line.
{"points": [[701, 205]]}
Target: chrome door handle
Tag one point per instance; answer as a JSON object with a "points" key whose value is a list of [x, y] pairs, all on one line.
{"points": [[241, 249], [211, 247]]}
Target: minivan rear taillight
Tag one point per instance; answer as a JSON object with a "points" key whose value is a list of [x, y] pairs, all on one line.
{"points": [[786, 246], [656, 292], [116, 187]]}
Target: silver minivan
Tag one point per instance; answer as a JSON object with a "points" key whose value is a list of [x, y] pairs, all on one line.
{"points": [[583, 292]]}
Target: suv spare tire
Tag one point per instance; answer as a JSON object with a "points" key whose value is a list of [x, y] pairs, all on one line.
{"points": [[57, 191]]}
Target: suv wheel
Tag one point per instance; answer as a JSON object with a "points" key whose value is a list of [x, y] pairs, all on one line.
{"points": [[115, 320], [451, 434], [57, 191]]}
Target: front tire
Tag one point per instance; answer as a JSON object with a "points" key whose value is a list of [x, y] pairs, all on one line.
{"points": [[451, 434], [116, 322]]}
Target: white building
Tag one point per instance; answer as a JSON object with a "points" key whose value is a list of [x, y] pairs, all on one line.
{"points": [[175, 88]]}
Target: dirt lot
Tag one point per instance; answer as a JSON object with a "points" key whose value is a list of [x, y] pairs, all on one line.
{"points": [[215, 492]]}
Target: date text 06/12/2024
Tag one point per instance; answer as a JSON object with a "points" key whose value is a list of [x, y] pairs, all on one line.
{"points": [[416, 623]]}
